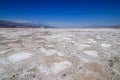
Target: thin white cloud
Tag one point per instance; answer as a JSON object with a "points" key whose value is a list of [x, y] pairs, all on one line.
{"points": [[23, 21], [62, 24]]}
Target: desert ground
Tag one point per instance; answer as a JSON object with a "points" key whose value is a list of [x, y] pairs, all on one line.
{"points": [[59, 54]]}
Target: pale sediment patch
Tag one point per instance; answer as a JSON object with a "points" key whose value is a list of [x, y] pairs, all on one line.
{"points": [[105, 45], [19, 57], [58, 67], [91, 53]]}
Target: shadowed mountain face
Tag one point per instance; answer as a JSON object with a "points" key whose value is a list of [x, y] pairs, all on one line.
{"points": [[9, 24]]}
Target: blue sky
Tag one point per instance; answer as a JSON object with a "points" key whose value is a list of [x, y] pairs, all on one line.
{"points": [[62, 13]]}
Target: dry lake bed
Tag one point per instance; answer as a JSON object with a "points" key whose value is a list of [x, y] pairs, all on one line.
{"points": [[59, 54]]}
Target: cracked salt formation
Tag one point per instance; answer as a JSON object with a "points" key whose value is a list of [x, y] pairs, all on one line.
{"points": [[91, 41], [55, 68], [19, 57], [83, 46], [59, 54], [61, 38], [79, 45], [98, 37], [49, 52]]}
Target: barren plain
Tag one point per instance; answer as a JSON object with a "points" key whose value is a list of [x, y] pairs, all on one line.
{"points": [[59, 54]]}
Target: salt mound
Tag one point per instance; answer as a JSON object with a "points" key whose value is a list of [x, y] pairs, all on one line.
{"points": [[58, 67], [105, 45], [91, 53], [19, 57]]}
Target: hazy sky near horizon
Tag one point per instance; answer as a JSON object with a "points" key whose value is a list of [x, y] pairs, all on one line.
{"points": [[62, 13]]}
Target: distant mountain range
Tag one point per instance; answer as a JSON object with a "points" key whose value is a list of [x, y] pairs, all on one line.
{"points": [[10, 24], [105, 26]]}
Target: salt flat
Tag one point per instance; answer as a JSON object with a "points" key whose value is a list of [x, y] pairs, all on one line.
{"points": [[59, 54]]}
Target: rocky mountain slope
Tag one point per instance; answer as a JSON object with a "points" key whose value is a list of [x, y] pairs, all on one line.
{"points": [[10, 24]]}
